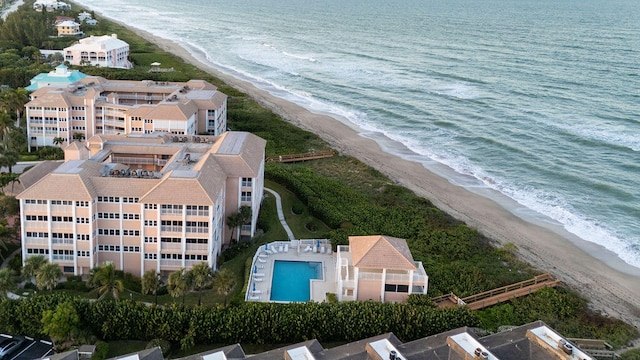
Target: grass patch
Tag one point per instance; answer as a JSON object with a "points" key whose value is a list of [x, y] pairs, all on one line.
{"points": [[122, 347]]}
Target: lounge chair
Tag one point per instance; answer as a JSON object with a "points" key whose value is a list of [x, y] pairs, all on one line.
{"points": [[322, 250], [261, 255], [269, 251], [254, 297], [262, 260], [329, 250], [281, 248], [273, 248], [260, 266], [315, 249], [286, 248], [259, 279], [257, 291], [307, 249], [258, 275]]}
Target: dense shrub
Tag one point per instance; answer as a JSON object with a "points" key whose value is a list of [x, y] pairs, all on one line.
{"points": [[101, 352], [297, 208], [232, 252], [50, 153]]}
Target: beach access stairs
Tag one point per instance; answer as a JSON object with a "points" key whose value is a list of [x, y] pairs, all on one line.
{"points": [[498, 295], [311, 155]]}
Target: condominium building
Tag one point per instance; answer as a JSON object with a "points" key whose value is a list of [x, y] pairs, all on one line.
{"points": [[94, 105], [104, 51], [141, 202]]}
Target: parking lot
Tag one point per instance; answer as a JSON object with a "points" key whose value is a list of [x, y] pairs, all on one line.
{"points": [[30, 349]]}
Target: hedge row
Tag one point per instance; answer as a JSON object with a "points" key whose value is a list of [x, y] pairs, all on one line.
{"points": [[246, 323]]}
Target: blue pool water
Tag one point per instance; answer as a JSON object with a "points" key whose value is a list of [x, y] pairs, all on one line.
{"points": [[291, 280]]}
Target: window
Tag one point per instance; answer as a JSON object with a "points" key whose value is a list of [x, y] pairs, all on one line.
{"points": [[109, 199], [36, 218], [111, 248], [131, 232], [246, 196], [197, 210], [82, 220], [131, 216], [171, 256], [150, 239], [197, 241], [171, 240], [38, 251], [196, 257], [396, 288], [82, 203], [108, 216], [246, 182], [150, 223], [62, 218], [148, 256], [111, 232], [82, 236], [130, 200], [82, 253], [131, 248], [171, 209], [151, 206]]}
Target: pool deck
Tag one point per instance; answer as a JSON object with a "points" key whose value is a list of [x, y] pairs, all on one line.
{"points": [[297, 250]]}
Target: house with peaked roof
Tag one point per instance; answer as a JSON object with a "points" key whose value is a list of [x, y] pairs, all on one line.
{"points": [[69, 28], [379, 268], [141, 202]]}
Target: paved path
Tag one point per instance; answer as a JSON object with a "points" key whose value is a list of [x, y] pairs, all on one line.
{"points": [[281, 214]]}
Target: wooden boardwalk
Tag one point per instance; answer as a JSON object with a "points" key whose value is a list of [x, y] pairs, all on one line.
{"points": [[312, 155], [499, 295]]}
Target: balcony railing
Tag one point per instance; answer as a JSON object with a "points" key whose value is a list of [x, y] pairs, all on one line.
{"points": [[36, 224], [169, 228], [56, 241], [197, 247], [171, 263], [36, 241], [197, 229], [197, 212], [170, 211], [62, 257], [171, 246]]}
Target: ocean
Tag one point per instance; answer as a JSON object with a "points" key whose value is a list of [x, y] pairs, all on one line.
{"points": [[538, 101]]}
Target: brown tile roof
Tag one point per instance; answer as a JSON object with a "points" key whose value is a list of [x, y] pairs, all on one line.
{"points": [[380, 252], [70, 181], [126, 187], [240, 153], [30, 177]]}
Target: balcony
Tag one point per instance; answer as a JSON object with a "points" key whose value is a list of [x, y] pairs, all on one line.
{"points": [[36, 241], [197, 229], [203, 213], [62, 241], [169, 228], [171, 246], [62, 257], [36, 224], [170, 263], [197, 247]]}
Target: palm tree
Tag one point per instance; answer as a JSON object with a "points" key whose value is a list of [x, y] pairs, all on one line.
{"points": [[47, 276], [200, 277], [106, 280], [7, 282], [78, 136], [238, 219], [151, 282], [58, 140], [32, 265], [224, 281], [178, 284], [13, 100]]}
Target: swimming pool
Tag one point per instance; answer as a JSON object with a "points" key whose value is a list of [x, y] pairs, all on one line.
{"points": [[291, 279]]}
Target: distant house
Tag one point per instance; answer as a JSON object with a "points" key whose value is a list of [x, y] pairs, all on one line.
{"points": [[61, 77], [379, 268], [104, 51], [50, 5], [69, 28], [85, 17]]}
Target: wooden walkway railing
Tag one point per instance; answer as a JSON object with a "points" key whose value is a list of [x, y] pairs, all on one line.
{"points": [[312, 155], [501, 294], [506, 293]]}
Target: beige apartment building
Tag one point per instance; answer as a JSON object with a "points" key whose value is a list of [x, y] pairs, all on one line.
{"points": [[95, 106], [141, 202]]}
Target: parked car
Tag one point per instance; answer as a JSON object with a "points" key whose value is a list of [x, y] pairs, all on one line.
{"points": [[10, 346]]}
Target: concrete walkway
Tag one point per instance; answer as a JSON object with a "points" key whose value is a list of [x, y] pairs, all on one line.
{"points": [[281, 214]]}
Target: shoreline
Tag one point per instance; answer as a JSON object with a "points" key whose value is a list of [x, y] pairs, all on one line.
{"points": [[611, 285]]}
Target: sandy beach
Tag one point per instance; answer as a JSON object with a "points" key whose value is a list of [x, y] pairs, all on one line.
{"points": [[612, 286]]}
